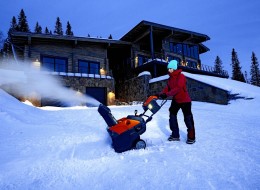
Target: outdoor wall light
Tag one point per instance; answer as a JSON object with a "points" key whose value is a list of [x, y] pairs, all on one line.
{"points": [[111, 98], [37, 64], [102, 71]]}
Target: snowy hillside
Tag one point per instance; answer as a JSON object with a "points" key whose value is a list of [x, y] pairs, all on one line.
{"points": [[69, 148]]}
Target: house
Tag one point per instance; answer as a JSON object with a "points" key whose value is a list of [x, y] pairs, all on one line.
{"points": [[103, 68]]}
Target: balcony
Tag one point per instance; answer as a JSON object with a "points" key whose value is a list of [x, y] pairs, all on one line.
{"points": [[157, 66]]}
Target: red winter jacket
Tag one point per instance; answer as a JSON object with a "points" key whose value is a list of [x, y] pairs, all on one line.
{"points": [[176, 87]]}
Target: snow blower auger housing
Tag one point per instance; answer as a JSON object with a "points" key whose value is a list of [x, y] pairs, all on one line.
{"points": [[125, 132]]}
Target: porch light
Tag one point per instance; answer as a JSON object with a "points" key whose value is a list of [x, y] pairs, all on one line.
{"points": [[37, 64], [102, 71], [136, 61], [184, 63], [111, 98], [78, 93]]}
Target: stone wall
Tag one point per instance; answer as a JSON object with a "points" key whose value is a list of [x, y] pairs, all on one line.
{"points": [[203, 92], [139, 88], [80, 83], [198, 91], [136, 89]]}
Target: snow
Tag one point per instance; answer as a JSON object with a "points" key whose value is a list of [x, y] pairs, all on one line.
{"points": [[144, 73], [69, 148]]}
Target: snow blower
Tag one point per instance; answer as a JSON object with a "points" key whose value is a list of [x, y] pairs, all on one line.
{"points": [[125, 132]]}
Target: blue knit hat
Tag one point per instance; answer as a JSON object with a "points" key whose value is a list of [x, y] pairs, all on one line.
{"points": [[173, 64]]}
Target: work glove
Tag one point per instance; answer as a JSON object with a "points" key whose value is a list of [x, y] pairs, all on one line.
{"points": [[163, 96]]}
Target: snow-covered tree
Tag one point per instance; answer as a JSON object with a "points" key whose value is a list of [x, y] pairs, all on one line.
{"points": [[254, 72], [218, 65], [236, 68], [58, 27], [38, 28], [22, 22], [69, 30]]}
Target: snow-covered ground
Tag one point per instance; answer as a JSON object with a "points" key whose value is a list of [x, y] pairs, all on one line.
{"points": [[69, 148]]}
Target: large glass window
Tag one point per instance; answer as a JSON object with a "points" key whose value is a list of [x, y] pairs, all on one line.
{"points": [[54, 63], [185, 49], [88, 67]]}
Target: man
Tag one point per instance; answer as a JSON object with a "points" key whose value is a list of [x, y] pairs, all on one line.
{"points": [[176, 88]]}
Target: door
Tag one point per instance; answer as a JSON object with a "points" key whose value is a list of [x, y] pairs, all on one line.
{"points": [[98, 93]]}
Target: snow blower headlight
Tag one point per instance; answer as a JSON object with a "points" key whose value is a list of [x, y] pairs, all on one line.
{"points": [[151, 105]]}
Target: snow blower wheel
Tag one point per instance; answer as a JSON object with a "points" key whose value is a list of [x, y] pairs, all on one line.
{"points": [[140, 144]]}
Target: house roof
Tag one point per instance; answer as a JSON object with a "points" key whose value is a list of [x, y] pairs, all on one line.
{"points": [[167, 31], [28, 36], [142, 31]]}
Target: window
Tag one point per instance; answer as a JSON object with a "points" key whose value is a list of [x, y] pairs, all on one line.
{"points": [[192, 64], [54, 63], [185, 49], [88, 67], [176, 48]]}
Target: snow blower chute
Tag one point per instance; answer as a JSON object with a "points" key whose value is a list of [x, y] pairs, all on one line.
{"points": [[125, 132]]}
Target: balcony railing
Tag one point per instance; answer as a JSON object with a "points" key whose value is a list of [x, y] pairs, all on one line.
{"points": [[146, 58]]}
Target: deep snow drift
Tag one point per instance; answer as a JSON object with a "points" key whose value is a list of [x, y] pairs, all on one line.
{"points": [[69, 148]]}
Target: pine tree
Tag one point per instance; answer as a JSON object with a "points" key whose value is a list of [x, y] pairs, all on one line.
{"points": [[47, 31], [246, 77], [254, 72], [110, 37], [68, 30], [236, 69], [22, 22], [7, 48], [1, 38], [13, 26], [38, 28], [58, 27], [218, 65]]}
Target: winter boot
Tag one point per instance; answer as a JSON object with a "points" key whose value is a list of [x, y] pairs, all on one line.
{"points": [[190, 129], [175, 136]]}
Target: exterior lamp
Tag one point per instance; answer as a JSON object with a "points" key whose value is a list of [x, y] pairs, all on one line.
{"points": [[37, 64], [102, 71], [198, 66], [111, 98], [136, 61]]}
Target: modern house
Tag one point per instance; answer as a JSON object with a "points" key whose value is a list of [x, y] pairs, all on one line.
{"points": [[103, 68]]}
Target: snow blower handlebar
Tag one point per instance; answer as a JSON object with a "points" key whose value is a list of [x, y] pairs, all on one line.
{"points": [[152, 105]]}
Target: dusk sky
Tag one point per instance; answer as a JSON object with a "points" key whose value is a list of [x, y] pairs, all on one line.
{"points": [[229, 23]]}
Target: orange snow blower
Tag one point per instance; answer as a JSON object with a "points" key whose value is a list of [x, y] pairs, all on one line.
{"points": [[125, 132]]}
